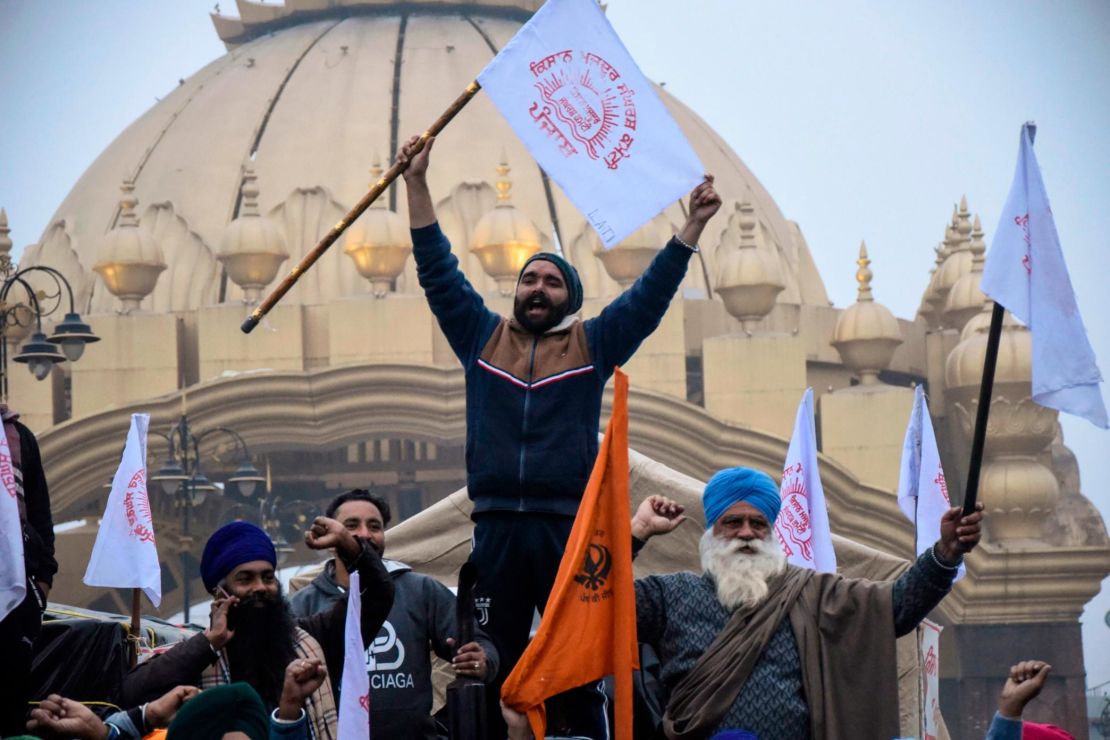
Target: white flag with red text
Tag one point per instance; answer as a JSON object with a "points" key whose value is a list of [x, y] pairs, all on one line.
{"points": [[803, 523], [1026, 273], [354, 688], [13, 574], [929, 647], [573, 94], [922, 490], [125, 554]]}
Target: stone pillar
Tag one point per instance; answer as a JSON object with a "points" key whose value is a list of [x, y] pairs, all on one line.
{"points": [[396, 329], [137, 358], [863, 427], [976, 658], [755, 381], [1024, 593], [278, 343], [660, 362]]}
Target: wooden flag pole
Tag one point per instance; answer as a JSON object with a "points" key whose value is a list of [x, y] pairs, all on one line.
{"points": [[377, 189], [136, 624]]}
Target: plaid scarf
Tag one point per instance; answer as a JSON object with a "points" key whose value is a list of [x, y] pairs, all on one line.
{"points": [[323, 717]]}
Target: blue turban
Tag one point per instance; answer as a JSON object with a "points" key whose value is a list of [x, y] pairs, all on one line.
{"points": [[229, 547], [570, 277], [732, 485]]}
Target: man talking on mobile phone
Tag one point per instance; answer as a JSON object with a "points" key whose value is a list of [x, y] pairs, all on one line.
{"points": [[252, 635]]}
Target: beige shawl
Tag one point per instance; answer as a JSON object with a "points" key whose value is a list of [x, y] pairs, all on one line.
{"points": [[845, 634]]}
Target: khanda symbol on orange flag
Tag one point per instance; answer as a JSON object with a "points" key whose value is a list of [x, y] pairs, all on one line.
{"points": [[588, 629]]}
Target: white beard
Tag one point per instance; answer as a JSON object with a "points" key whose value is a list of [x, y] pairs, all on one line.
{"points": [[741, 577]]}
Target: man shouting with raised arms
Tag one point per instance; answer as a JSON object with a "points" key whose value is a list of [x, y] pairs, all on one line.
{"points": [[534, 382]]}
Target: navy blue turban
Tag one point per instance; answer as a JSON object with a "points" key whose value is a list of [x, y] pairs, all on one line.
{"points": [[229, 547], [732, 485], [570, 277]]}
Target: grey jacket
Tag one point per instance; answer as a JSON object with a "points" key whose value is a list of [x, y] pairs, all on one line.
{"points": [[399, 659]]}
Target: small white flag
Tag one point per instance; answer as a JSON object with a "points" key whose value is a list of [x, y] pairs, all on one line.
{"points": [[574, 95], [1026, 273], [125, 554], [922, 490], [354, 690], [930, 685], [803, 523], [13, 574]]}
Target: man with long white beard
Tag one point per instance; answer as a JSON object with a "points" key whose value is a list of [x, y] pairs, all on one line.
{"points": [[758, 645]]}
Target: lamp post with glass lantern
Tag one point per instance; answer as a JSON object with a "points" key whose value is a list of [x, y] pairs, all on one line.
{"points": [[181, 477], [40, 353]]}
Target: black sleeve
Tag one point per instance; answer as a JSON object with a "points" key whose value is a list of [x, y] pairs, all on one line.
{"points": [[40, 522], [377, 599], [181, 665], [920, 589]]}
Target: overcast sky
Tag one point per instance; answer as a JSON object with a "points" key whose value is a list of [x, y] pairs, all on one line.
{"points": [[864, 120]]}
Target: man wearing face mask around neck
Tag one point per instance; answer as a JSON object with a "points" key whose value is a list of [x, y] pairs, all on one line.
{"points": [[534, 383]]}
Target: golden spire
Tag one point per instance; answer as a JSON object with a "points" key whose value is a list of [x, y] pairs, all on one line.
{"points": [[963, 226], [866, 333], [376, 175], [129, 261], [977, 247], [127, 203], [249, 190], [504, 238], [504, 185], [252, 247], [864, 274]]}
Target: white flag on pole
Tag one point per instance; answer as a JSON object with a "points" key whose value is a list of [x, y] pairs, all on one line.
{"points": [[929, 647], [803, 523], [354, 689], [125, 554], [1026, 273], [922, 490], [573, 94], [13, 574]]}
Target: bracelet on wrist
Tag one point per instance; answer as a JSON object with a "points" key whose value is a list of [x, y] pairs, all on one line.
{"points": [[300, 716], [691, 247], [943, 562]]}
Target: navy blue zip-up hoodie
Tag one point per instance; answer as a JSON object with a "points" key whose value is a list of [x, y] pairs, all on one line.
{"points": [[533, 402]]}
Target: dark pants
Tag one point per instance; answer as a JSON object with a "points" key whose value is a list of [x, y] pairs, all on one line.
{"points": [[17, 638], [517, 557]]}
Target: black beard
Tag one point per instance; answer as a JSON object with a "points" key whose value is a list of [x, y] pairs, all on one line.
{"points": [[555, 314], [263, 645]]}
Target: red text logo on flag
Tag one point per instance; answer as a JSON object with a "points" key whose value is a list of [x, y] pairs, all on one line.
{"points": [[136, 506], [794, 515], [7, 476], [584, 101]]}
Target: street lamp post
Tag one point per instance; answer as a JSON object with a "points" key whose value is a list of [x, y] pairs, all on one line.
{"points": [[40, 353], [181, 477]]}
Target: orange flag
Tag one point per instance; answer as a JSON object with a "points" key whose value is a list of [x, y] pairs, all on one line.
{"points": [[588, 629]]}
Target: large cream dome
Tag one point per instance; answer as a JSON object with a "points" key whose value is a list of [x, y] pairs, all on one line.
{"points": [[308, 94]]}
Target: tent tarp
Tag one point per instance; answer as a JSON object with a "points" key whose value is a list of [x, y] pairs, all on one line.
{"points": [[436, 542]]}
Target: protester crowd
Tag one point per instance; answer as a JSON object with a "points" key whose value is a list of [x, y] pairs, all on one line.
{"points": [[752, 644]]}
